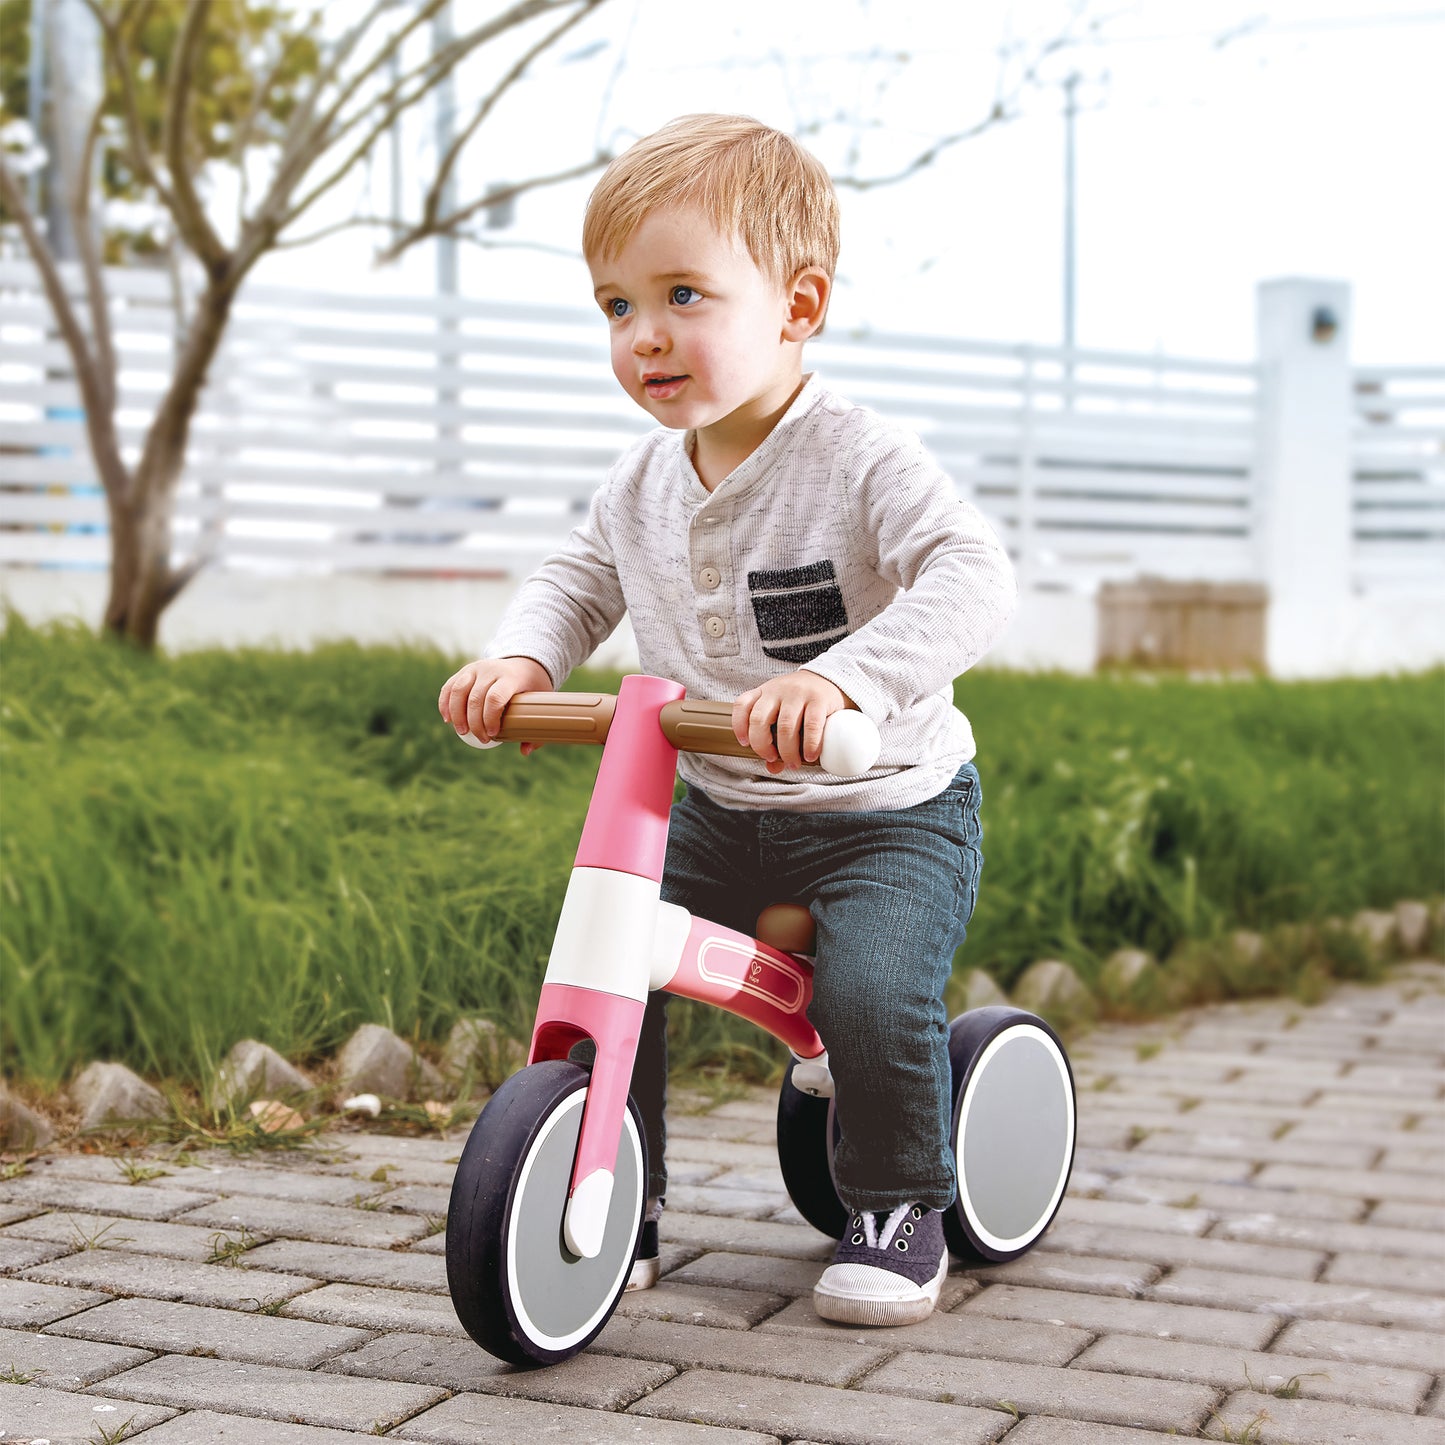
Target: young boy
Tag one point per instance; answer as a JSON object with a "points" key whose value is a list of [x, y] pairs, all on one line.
{"points": [[776, 544]]}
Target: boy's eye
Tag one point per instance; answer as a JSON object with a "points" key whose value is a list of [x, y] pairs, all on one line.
{"points": [[685, 296], [617, 308]]}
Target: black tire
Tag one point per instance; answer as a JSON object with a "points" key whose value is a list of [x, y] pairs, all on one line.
{"points": [[1013, 1132], [806, 1136], [519, 1292]]}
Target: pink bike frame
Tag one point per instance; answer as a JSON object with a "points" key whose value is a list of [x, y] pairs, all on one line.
{"points": [[626, 834]]}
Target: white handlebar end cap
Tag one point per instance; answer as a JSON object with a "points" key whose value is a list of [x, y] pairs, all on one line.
{"points": [[585, 1221], [850, 744], [473, 741]]}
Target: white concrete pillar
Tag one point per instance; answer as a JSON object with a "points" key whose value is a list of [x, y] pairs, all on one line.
{"points": [[1303, 485]]}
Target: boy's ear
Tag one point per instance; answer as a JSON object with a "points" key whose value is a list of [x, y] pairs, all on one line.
{"points": [[807, 303]]}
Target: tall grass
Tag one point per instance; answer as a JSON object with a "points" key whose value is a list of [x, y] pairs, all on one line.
{"points": [[218, 845]]}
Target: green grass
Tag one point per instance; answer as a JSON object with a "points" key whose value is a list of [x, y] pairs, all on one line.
{"points": [[218, 845]]}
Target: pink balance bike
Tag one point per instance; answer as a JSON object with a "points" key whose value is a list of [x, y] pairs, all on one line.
{"points": [[550, 1192]]}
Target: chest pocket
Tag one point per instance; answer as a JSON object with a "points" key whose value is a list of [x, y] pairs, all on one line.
{"points": [[799, 610]]}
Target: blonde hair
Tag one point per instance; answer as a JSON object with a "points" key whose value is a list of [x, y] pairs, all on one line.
{"points": [[750, 180]]}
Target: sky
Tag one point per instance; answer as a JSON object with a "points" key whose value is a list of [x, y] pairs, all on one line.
{"points": [[1218, 143]]}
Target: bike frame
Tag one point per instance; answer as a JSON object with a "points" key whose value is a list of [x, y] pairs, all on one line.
{"points": [[616, 940]]}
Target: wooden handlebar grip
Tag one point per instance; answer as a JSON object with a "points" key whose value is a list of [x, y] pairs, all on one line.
{"points": [[696, 726], [558, 717]]}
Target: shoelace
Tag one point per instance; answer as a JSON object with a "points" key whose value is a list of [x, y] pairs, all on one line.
{"points": [[891, 1226]]}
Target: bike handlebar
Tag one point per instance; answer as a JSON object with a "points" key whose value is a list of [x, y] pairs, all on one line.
{"points": [[692, 725]]}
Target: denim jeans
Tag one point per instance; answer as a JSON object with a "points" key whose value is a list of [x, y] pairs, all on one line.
{"points": [[891, 893]]}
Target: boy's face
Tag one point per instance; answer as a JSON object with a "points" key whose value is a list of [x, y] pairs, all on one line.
{"points": [[700, 336]]}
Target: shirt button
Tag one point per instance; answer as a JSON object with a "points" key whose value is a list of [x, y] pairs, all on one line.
{"points": [[715, 626], [709, 577], [709, 521]]}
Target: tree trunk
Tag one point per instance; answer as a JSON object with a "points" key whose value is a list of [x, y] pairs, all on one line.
{"points": [[143, 582]]}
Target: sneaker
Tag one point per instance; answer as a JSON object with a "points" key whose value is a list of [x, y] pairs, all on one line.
{"points": [[646, 1267], [888, 1269]]}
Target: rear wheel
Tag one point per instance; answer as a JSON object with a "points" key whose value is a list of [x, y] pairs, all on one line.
{"points": [[1013, 1132], [807, 1134], [518, 1290]]}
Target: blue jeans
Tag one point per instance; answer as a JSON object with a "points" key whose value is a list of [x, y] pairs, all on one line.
{"points": [[891, 893]]}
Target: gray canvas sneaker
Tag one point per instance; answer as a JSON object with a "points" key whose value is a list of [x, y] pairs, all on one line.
{"points": [[888, 1268]]}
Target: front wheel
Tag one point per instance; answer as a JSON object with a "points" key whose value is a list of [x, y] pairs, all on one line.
{"points": [[518, 1290], [1013, 1132], [807, 1136]]}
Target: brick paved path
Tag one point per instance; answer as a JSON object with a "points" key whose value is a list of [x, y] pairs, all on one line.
{"points": [[1253, 1248]]}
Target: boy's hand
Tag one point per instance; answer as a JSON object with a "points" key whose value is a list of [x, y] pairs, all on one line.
{"points": [[799, 703], [474, 697]]}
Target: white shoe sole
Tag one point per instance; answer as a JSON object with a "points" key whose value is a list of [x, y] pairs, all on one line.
{"points": [[644, 1274], [858, 1298]]}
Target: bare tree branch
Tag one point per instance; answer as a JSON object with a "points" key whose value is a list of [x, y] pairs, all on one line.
{"points": [[100, 418], [115, 52], [446, 225], [397, 97], [448, 162], [189, 212], [85, 239]]}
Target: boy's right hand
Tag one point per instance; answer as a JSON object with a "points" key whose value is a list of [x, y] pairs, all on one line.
{"points": [[474, 697]]}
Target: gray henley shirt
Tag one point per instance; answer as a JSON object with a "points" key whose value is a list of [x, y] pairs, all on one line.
{"points": [[839, 545]]}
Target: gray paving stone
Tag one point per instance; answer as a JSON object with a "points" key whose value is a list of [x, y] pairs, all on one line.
{"points": [[1417, 1159], [325, 1223], [751, 1272], [1294, 1298], [135, 1201], [429, 1244], [723, 1153], [348, 1264], [1235, 1199], [1033, 1389], [9, 1213], [977, 1336], [250, 1179], [756, 1108], [1390, 1271], [1362, 1344], [841, 1417], [1319, 1422], [206, 1427], [429, 1200], [1258, 1149], [1049, 1430], [1357, 1183], [62, 1364], [744, 1203], [498, 1420], [138, 1236], [745, 1236], [715, 1126], [121, 1273], [1128, 1218], [32, 1413], [591, 1381], [821, 1362], [723, 1309], [366, 1308], [1203, 1169], [1175, 1249], [1133, 1317], [18, 1254], [28, 1304], [397, 1171], [1311, 1234], [307, 1396], [1056, 1269], [1409, 1216], [228, 1334], [1227, 1368]]}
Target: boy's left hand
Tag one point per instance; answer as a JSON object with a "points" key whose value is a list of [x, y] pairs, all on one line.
{"points": [[798, 703]]}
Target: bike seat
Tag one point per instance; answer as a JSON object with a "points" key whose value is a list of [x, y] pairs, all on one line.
{"points": [[788, 926]]}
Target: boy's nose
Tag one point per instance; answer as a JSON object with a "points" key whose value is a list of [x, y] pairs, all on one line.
{"points": [[648, 338]]}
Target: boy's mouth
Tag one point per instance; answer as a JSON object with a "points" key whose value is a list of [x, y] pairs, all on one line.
{"points": [[662, 386]]}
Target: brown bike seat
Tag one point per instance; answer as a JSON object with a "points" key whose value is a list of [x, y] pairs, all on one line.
{"points": [[788, 926]]}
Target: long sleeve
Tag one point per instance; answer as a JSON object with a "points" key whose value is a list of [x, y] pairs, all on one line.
{"points": [[957, 584], [569, 606]]}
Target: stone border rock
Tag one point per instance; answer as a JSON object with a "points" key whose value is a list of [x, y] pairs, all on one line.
{"points": [[377, 1062]]}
